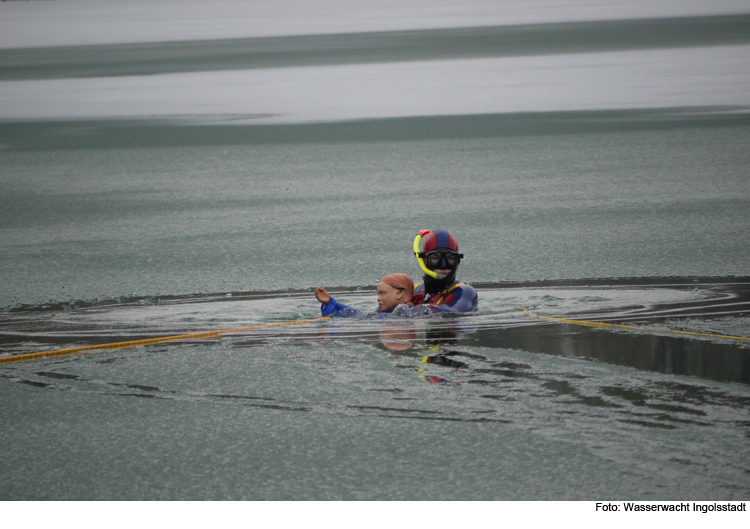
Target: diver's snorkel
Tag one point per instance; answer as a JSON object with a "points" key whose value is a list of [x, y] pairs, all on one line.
{"points": [[417, 254]]}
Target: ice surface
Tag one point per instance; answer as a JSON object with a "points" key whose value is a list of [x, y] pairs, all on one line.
{"points": [[630, 79], [85, 22]]}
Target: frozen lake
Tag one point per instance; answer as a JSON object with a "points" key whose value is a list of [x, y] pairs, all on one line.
{"points": [[170, 170]]}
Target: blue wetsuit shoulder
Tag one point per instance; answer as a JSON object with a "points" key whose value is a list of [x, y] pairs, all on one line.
{"points": [[465, 298]]}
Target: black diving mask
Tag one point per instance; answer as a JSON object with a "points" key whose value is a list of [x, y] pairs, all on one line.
{"points": [[442, 260]]}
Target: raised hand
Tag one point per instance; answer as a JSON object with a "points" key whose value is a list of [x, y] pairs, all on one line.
{"points": [[322, 295]]}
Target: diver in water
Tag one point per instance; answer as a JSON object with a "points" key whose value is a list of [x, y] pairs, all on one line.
{"points": [[394, 291], [438, 257]]}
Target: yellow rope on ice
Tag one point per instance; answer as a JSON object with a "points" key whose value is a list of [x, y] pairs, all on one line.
{"points": [[599, 324], [147, 341]]}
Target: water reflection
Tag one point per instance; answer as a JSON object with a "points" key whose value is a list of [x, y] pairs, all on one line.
{"points": [[438, 340], [663, 354]]}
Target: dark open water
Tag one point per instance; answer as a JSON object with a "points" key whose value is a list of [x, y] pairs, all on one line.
{"points": [[128, 222]]}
